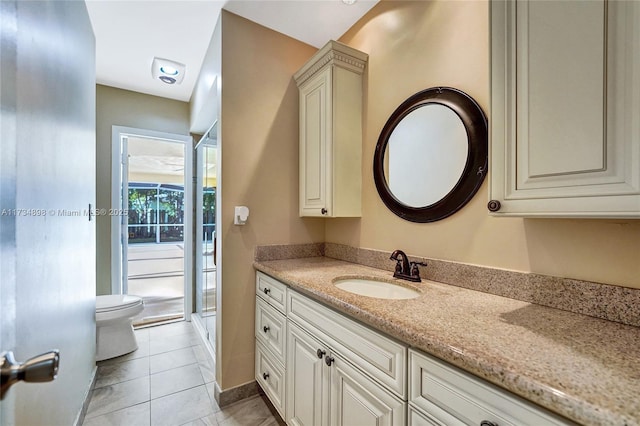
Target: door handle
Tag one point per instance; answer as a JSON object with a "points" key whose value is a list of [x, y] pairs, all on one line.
{"points": [[41, 368]]}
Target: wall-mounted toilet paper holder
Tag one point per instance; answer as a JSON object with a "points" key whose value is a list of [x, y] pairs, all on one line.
{"points": [[240, 215]]}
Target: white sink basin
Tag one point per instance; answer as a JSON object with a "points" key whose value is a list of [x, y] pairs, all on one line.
{"points": [[377, 289]]}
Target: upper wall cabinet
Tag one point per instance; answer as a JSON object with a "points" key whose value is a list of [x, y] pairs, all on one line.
{"points": [[330, 85], [565, 109]]}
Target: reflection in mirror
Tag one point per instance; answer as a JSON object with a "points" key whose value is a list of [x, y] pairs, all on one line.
{"points": [[432, 155], [426, 155]]}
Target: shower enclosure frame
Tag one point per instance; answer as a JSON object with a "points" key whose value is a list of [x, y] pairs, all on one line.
{"points": [[208, 331]]}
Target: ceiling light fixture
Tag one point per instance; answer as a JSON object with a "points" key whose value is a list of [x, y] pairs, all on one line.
{"points": [[167, 71], [167, 79], [349, 2]]}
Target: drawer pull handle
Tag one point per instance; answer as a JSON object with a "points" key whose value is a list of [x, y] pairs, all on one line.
{"points": [[329, 360], [488, 423], [265, 328], [320, 353], [265, 376], [323, 211], [266, 290]]}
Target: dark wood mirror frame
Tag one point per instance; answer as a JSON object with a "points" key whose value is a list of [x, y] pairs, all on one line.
{"points": [[475, 170]]}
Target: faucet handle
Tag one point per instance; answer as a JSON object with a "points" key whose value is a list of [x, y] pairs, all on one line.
{"points": [[415, 272]]}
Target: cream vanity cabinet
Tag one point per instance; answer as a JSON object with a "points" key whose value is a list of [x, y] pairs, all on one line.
{"points": [[341, 372], [325, 389], [321, 368], [442, 395], [565, 102], [271, 343], [330, 87], [334, 371]]}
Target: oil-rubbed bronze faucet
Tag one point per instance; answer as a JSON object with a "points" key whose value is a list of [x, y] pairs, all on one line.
{"points": [[404, 269]]}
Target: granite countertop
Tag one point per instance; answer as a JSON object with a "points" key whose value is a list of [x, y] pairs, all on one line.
{"points": [[583, 368]]}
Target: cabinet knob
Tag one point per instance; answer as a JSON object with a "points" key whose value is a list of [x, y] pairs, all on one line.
{"points": [[265, 328], [265, 376], [323, 211], [488, 423], [328, 360], [266, 290], [494, 205], [320, 353]]}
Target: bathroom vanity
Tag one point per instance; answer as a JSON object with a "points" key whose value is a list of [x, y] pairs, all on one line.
{"points": [[449, 356]]}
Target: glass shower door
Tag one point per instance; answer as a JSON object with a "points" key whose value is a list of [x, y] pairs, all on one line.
{"points": [[206, 157]]}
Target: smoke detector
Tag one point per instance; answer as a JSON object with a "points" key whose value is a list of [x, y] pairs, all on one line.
{"points": [[167, 71]]}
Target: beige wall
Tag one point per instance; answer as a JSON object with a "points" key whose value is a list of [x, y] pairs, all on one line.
{"points": [[414, 45], [259, 148], [130, 109]]}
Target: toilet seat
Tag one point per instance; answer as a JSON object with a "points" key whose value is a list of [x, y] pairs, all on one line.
{"points": [[116, 302], [117, 307]]}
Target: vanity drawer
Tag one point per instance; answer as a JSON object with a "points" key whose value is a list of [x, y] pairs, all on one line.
{"points": [[379, 356], [271, 290], [454, 397], [271, 327], [418, 418], [270, 375]]}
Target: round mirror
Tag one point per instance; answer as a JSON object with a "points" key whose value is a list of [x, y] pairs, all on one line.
{"points": [[431, 156]]}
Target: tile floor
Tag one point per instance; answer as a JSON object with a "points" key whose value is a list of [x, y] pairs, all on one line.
{"points": [[167, 381]]}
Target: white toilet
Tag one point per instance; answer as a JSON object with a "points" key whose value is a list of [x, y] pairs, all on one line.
{"points": [[114, 331]]}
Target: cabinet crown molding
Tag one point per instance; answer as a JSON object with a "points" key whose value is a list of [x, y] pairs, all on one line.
{"points": [[333, 53]]}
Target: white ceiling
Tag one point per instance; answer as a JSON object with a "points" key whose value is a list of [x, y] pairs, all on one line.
{"points": [[129, 34], [156, 157], [150, 158]]}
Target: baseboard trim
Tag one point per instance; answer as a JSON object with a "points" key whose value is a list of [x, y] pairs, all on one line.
{"points": [[87, 398], [229, 396]]}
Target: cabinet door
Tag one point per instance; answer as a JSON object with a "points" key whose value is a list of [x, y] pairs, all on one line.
{"points": [[315, 145], [307, 383], [357, 400], [565, 101]]}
